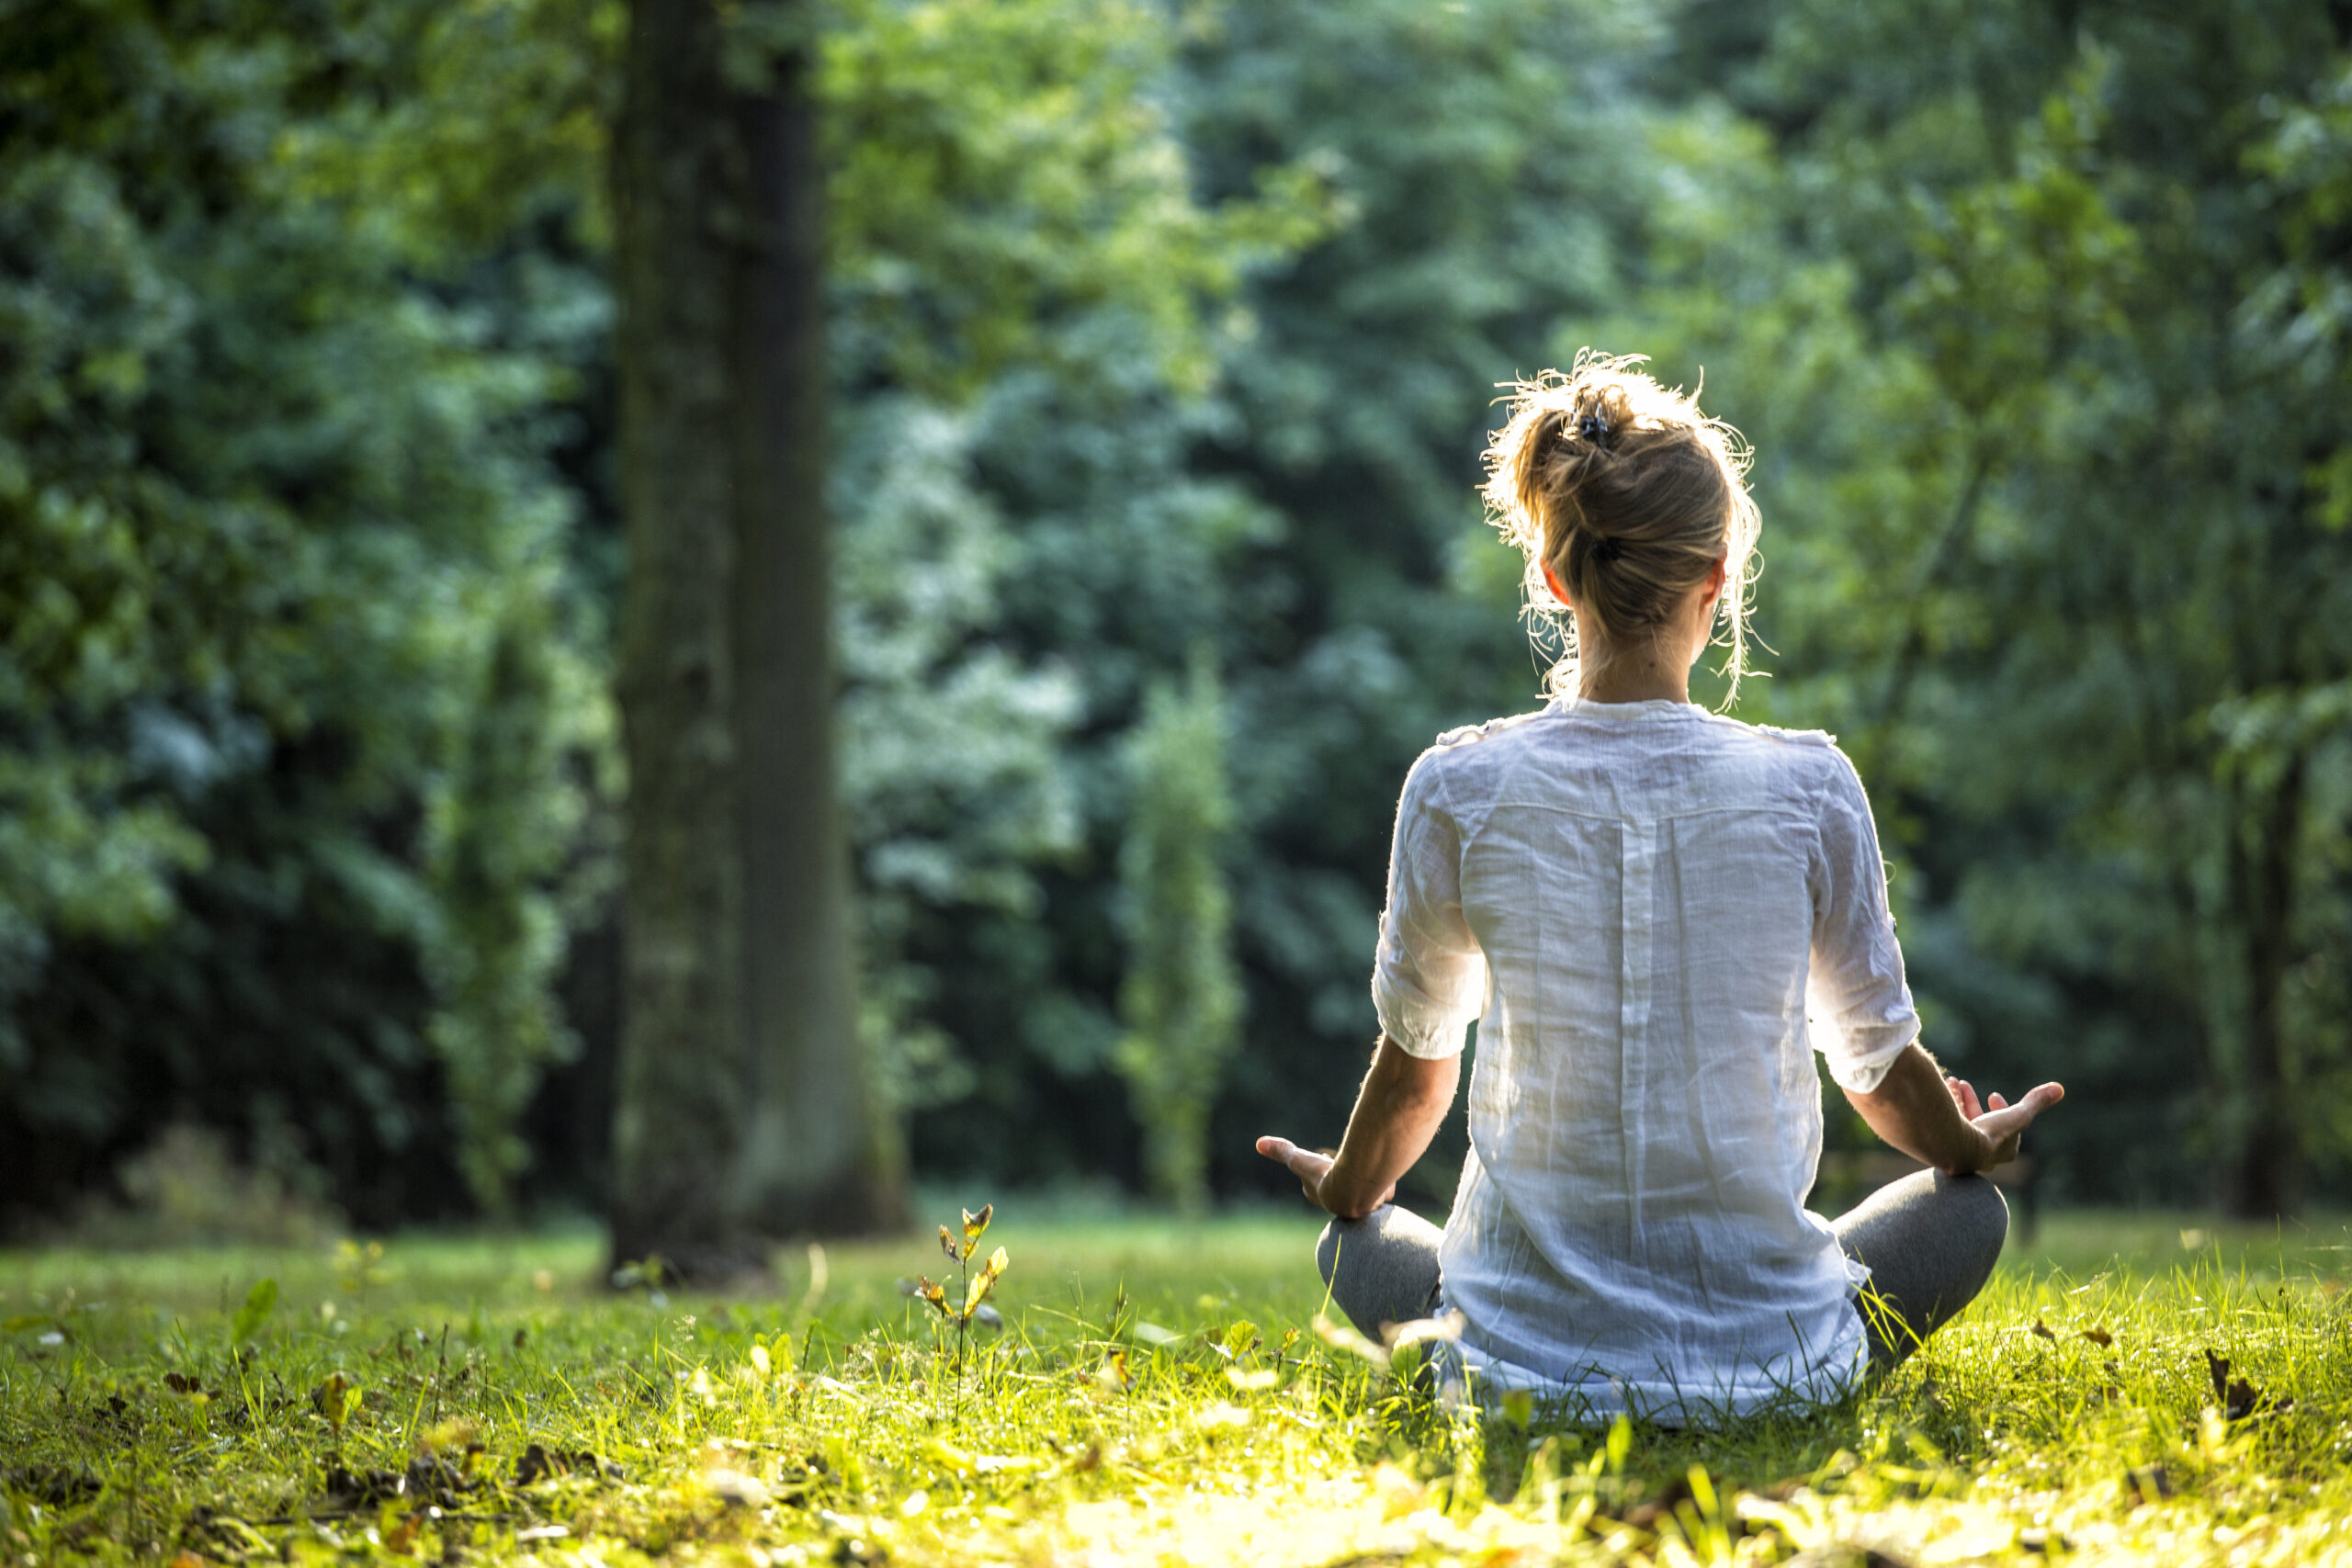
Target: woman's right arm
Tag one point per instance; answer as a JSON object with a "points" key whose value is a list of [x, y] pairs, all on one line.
{"points": [[1938, 1121], [1403, 1100], [1427, 980]]}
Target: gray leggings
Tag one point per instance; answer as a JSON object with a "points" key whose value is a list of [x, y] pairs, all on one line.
{"points": [[1930, 1241]]}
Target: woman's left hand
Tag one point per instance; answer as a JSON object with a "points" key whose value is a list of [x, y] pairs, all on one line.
{"points": [[1310, 1168]]}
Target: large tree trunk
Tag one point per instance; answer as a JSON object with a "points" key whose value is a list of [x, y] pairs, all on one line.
{"points": [[742, 1114], [676, 1130], [2262, 1176], [817, 1156]]}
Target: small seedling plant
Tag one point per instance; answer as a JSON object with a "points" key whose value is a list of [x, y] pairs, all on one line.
{"points": [[973, 1288]]}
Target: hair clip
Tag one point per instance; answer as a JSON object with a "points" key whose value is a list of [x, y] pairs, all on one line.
{"points": [[1594, 428]]}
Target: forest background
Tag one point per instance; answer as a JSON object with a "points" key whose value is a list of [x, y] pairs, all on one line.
{"points": [[1163, 342]]}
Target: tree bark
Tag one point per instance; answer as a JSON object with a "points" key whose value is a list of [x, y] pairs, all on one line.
{"points": [[742, 1114], [816, 1157]]}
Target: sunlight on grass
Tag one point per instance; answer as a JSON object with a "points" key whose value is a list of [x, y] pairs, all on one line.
{"points": [[1156, 1396]]}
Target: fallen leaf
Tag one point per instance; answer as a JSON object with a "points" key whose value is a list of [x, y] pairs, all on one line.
{"points": [[533, 1466], [540, 1462], [2237, 1397], [350, 1488]]}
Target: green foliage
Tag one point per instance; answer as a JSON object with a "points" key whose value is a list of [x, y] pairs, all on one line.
{"points": [[1182, 1000], [250, 1317], [493, 1396], [513, 819], [2047, 530], [1006, 170], [1029, 301], [952, 744], [1311, 519], [286, 660], [1159, 328]]}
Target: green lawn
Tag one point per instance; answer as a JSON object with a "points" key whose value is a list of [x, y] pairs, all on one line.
{"points": [[1158, 1394]]}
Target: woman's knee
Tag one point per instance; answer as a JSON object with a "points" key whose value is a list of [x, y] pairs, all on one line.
{"points": [[1341, 1234], [1972, 1218], [1363, 1233], [1983, 1213], [1968, 1207]]}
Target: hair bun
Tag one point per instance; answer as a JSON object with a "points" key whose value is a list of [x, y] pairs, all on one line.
{"points": [[1601, 413], [1624, 499]]}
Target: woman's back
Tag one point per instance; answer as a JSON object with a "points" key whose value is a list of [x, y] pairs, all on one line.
{"points": [[1634, 896]]}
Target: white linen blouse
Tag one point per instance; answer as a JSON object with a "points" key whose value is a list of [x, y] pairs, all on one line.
{"points": [[1655, 914]]}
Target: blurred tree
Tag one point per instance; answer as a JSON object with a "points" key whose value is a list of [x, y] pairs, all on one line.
{"points": [[1020, 283], [1030, 305], [2071, 586], [1489, 164], [273, 487], [743, 1110], [1151, 327], [1181, 998], [492, 954]]}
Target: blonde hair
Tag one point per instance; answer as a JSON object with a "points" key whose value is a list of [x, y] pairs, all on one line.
{"points": [[1631, 495]]}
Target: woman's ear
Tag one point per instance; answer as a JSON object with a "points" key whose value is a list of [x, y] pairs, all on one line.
{"points": [[1720, 575], [1559, 591]]}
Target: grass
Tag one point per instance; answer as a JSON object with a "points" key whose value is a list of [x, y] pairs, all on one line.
{"points": [[1158, 1396]]}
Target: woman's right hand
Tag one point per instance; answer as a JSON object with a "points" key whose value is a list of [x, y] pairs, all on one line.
{"points": [[2000, 1122], [1311, 1167]]}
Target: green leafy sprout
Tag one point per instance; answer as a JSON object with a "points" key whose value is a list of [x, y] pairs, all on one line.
{"points": [[973, 1289]]}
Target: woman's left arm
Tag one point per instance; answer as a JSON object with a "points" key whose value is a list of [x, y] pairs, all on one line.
{"points": [[1403, 1100]]}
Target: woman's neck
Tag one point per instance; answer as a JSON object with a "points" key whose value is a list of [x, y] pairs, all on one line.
{"points": [[1652, 667], [1638, 675]]}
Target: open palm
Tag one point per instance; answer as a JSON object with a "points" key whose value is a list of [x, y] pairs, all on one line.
{"points": [[2000, 1121]]}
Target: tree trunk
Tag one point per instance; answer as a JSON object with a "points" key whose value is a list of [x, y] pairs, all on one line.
{"points": [[2262, 1176], [675, 1130], [741, 1114], [817, 1156]]}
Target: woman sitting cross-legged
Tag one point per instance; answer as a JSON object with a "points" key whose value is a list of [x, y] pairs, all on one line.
{"points": [[1656, 914]]}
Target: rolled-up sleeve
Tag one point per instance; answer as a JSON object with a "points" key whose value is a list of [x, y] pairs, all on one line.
{"points": [[1430, 980], [1858, 1005]]}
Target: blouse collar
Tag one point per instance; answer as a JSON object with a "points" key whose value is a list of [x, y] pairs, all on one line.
{"points": [[1648, 708]]}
